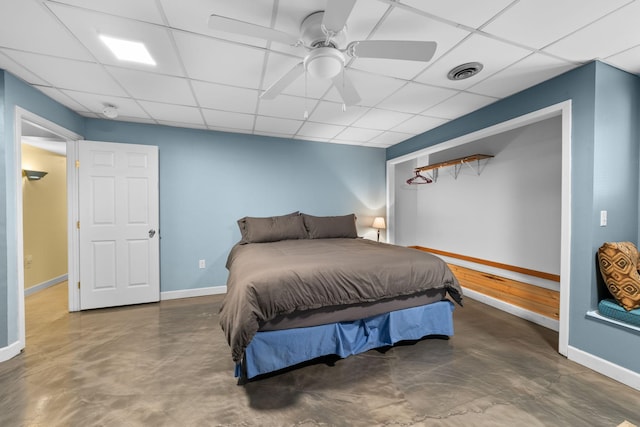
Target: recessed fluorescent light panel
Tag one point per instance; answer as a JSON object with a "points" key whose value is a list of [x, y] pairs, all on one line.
{"points": [[127, 50]]}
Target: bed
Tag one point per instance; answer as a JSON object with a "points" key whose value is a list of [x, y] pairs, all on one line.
{"points": [[302, 286]]}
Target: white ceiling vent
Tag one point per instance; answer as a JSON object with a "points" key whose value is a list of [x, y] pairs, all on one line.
{"points": [[465, 71]]}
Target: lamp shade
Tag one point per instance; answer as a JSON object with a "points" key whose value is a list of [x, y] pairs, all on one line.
{"points": [[378, 223], [33, 175]]}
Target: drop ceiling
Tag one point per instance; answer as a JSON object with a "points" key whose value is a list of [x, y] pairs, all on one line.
{"points": [[208, 79]]}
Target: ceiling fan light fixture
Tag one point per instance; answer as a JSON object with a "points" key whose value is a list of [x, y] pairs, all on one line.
{"points": [[465, 71], [324, 62]]}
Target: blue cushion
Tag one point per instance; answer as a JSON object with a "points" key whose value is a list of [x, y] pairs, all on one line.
{"points": [[610, 308]]}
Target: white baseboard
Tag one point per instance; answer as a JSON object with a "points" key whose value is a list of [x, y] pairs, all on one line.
{"points": [[44, 285], [513, 309], [10, 351], [190, 293], [604, 367]]}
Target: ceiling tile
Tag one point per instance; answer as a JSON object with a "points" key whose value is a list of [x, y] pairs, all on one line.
{"points": [[140, 10], [18, 70], [459, 105], [154, 87], [388, 138], [220, 62], [88, 25], [472, 14], [415, 97], [404, 25], [593, 42], [286, 107], [280, 126], [173, 113], [319, 130], [230, 130], [629, 60], [381, 119], [42, 33], [181, 124], [532, 70], [69, 74], [221, 97], [194, 16], [372, 88], [537, 23], [62, 98], [229, 120], [419, 124], [331, 112], [492, 54], [358, 134], [95, 103]]}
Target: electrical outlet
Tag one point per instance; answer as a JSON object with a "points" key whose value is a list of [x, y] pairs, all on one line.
{"points": [[202, 264], [28, 260]]}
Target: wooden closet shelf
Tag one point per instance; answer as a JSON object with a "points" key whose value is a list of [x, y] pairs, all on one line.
{"points": [[460, 161]]}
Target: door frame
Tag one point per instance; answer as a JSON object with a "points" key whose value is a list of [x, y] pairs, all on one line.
{"points": [[72, 212]]}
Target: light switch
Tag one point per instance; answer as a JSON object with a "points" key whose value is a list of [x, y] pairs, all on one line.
{"points": [[202, 264], [603, 218]]}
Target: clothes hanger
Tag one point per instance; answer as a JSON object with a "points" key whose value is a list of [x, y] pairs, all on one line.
{"points": [[419, 179]]}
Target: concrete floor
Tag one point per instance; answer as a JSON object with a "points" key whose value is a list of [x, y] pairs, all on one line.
{"points": [[168, 364]]}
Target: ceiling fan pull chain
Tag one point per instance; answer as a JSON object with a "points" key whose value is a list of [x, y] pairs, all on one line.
{"points": [[306, 98], [344, 104]]}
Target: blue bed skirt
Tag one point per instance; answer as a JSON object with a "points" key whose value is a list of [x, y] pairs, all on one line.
{"points": [[273, 350]]}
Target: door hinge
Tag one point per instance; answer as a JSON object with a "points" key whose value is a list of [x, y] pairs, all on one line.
{"points": [[77, 164], [78, 224], [78, 285]]}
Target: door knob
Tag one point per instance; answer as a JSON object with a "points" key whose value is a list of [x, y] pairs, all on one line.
{"points": [[152, 233]]}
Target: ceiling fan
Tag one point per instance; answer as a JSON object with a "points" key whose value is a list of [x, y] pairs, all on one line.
{"points": [[324, 34]]}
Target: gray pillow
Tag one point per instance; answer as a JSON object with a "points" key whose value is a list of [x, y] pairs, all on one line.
{"points": [[272, 229], [330, 227]]}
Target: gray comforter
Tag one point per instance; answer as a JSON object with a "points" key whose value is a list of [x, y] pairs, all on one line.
{"points": [[271, 279]]}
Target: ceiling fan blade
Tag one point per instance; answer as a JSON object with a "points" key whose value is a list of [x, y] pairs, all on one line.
{"points": [[280, 85], [393, 49], [230, 25], [347, 90], [336, 14]]}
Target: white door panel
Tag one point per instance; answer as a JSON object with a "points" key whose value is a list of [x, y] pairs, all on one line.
{"points": [[118, 211]]}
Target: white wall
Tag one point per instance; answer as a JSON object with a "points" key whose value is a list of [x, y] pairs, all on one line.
{"points": [[510, 213]]}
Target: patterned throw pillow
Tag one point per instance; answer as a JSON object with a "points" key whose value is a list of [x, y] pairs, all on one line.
{"points": [[618, 266]]}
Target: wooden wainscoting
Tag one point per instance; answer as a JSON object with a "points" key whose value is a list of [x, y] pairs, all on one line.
{"points": [[529, 297]]}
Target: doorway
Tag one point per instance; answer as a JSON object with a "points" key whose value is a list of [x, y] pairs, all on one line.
{"points": [[39, 131]]}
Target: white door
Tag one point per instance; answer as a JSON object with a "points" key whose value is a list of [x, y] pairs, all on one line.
{"points": [[118, 224]]}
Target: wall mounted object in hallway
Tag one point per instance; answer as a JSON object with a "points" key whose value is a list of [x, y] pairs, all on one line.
{"points": [[33, 175]]}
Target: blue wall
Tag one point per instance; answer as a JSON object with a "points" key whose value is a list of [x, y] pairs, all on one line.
{"points": [[208, 180], [17, 93], [604, 174]]}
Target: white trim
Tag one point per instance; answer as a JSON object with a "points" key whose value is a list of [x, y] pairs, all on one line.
{"points": [[595, 314], [190, 293], [564, 110], [604, 367], [73, 236], [565, 229], [10, 351], [17, 243], [536, 318], [44, 285]]}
